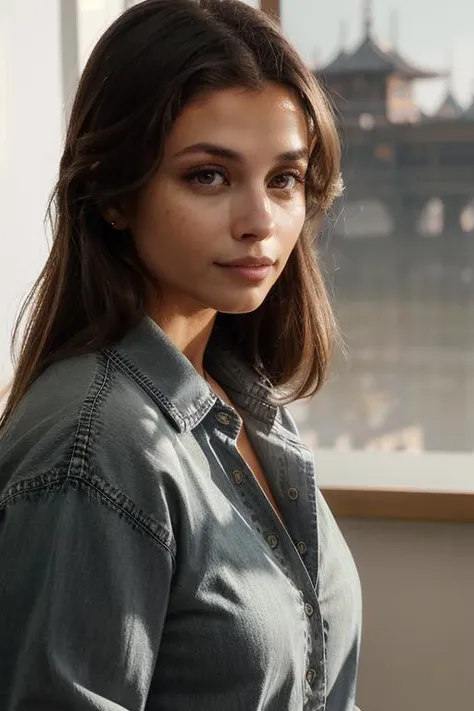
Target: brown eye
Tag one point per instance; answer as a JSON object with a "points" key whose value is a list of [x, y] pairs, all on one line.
{"points": [[207, 177], [286, 181]]}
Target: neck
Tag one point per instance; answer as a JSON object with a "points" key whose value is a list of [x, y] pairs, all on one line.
{"points": [[188, 331]]}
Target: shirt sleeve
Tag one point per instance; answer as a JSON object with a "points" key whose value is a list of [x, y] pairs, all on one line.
{"points": [[83, 597]]}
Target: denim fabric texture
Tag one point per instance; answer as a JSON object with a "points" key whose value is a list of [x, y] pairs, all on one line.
{"points": [[141, 564]]}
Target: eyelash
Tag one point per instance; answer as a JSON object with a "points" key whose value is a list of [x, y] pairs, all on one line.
{"points": [[193, 174]]}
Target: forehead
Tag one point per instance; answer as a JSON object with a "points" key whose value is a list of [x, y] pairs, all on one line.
{"points": [[244, 120]]}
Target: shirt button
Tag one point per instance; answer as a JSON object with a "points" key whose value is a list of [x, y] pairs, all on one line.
{"points": [[302, 547], [272, 540], [310, 676], [223, 418], [238, 477], [293, 493], [309, 609]]}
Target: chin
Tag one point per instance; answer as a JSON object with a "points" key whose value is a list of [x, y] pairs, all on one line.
{"points": [[239, 305]]}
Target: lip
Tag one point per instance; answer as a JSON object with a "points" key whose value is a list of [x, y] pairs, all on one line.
{"points": [[252, 272], [249, 261]]}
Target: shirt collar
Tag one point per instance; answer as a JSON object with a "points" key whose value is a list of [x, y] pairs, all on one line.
{"points": [[148, 356]]}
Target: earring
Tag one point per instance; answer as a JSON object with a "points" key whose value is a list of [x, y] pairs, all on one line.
{"points": [[113, 223]]}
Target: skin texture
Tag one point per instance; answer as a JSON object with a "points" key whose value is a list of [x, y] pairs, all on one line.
{"points": [[205, 207]]}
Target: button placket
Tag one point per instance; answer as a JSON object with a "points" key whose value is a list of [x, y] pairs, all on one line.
{"points": [[280, 544], [223, 418], [293, 493], [238, 477], [302, 548], [272, 540]]}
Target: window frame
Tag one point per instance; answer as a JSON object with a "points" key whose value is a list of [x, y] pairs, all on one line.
{"points": [[429, 486]]}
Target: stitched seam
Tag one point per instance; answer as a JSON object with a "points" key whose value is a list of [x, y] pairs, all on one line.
{"points": [[291, 438], [155, 394], [101, 494], [127, 514], [92, 412], [11, 498], [253, 405], [255, 390], [184, 422], [82, 441]]}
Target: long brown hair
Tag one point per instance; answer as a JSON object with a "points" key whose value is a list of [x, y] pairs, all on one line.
{"points": [[143, 71]]}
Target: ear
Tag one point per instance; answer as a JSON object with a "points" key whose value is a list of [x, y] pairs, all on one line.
{"points": [[115, 218]]}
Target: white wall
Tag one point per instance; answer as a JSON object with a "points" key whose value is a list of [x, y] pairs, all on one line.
{"points": [[418, 634], [31, 134], [94, 16], [30, 139]]}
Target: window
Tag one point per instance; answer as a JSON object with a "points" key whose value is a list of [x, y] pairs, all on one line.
{"points": [[399, 409]]}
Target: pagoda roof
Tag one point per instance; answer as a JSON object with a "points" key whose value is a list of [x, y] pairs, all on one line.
{"points": [[369, 58], [337, 64], [469, 112], [450, 107]]}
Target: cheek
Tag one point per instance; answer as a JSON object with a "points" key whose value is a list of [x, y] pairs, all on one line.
{"points": [[164, 232], [291, 225], [182, 220], [174, 244]]}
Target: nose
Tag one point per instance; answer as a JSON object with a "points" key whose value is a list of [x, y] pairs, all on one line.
{"points": [[253, 217]]}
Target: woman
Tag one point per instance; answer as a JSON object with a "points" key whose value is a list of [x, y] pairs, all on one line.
{"points": [[163, 544]]}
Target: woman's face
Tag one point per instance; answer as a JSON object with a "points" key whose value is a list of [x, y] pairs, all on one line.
{"points": [[219, 220]]}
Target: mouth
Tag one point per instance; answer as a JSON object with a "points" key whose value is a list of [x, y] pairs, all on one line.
{"points": [[253, 269], [249, 261]]}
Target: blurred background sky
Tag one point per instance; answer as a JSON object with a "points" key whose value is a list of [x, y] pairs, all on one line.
{"points": [[430, 34], [439, 35]]}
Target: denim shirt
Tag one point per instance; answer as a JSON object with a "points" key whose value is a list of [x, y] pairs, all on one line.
{"points": [[142, 565]]}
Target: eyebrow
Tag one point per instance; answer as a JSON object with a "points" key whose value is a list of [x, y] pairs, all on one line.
{"points": [[222, 152]]}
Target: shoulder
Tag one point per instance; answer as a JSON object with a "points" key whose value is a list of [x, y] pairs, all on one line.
{"points": [[88, 422], [40, 433]]}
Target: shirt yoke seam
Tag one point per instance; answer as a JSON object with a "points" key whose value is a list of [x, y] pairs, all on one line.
{"points": [[88, 409], [54, 479]]}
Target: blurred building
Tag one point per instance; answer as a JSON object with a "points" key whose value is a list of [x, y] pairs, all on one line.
{"points": [[395, 153], [401, 260]]}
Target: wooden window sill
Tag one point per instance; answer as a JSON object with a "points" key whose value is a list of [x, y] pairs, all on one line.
{"points": [[439, 506]]}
